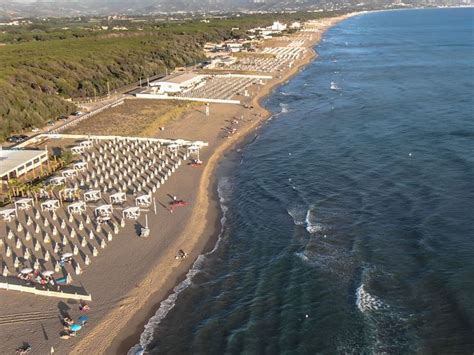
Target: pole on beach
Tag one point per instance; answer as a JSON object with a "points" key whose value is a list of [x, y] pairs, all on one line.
{"points": [[154, 204]]}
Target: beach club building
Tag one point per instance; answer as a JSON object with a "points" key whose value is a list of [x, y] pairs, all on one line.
{"points": [[16, 163], [177, 83]]}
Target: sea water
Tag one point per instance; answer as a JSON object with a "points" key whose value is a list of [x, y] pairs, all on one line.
{"points": [[349, 221]]}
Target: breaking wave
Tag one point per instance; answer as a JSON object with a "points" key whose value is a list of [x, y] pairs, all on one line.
{"points": [[366, 302], [305, 217]]}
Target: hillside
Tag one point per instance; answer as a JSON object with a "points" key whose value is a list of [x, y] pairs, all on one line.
{"points": [[42, 68]]}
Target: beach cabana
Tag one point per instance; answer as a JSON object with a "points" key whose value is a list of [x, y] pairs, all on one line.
{"points": [[24, 204], [173, 147], [92, 195], [143, 200], [78, 150], [86, 144], [80, 166], [8, 215], [77, 207], [193, 149], [69, 173], [118, 197], [131, 213], [104, 211], [50, 205], [57, 180]]}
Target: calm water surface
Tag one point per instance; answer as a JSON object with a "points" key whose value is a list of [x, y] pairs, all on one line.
{"points": [[349, 220]]}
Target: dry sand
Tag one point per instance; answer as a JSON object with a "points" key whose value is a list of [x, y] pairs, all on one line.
{"points": [[132, 276]]}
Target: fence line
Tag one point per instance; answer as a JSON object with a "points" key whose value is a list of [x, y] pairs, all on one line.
{"points": [[86, 116], [198, 99], [48, 293]]}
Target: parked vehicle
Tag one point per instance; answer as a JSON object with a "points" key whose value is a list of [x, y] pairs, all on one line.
{"points": [[17, 138]]}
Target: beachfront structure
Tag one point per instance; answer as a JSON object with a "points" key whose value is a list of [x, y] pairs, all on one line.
{"points": [[178, 82], [16, 163], [278, 26]]}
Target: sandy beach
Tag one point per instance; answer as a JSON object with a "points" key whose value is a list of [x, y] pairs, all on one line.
{"points": [[133, 276]]}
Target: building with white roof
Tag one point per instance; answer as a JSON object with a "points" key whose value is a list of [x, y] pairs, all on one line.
{"points": [[178, 82], [15, 163]]}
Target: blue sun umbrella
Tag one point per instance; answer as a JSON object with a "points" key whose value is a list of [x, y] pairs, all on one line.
{"points": [[83, 319], [75, 327]]}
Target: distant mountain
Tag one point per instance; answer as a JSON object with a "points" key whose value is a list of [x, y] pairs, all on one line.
{"points": [[52, 8]]}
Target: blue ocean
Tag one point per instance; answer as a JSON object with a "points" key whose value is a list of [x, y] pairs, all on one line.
{"points": [[348, 223]]}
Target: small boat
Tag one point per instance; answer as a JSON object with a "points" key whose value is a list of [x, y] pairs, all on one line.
{"points": [[334, 86]]}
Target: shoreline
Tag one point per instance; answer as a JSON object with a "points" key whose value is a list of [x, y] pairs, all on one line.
{"points": [[129, 338], [132, 278]]}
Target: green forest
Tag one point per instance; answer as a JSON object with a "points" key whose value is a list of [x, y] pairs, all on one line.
{"points": [[43, 66]]}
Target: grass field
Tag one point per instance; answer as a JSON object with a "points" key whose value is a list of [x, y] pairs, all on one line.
{"points": [[137, 118]]}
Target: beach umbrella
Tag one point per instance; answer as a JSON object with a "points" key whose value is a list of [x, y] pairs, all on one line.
{"points": [[83, 319], [26, 270], [48, 273], [67, 255], [75, 327]]}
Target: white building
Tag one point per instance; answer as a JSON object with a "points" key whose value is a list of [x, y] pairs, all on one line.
{"points": [[295, 26], [278, 26], [178, 82], [15, 163]]}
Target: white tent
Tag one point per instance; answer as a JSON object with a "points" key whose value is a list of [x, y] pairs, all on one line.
{"points": [[118, 197], [143, 200], [24, 204], [57, 180], [131, 213], [92, 195], [80, 166], [8, 214], [193, 149], [78, 150], [69, 173], [104, 211], [77, 207], [86, 144], [173, 147], [50, 205]]}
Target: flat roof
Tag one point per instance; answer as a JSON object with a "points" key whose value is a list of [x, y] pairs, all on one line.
{"points": [[179, 78], [12, 159]]}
